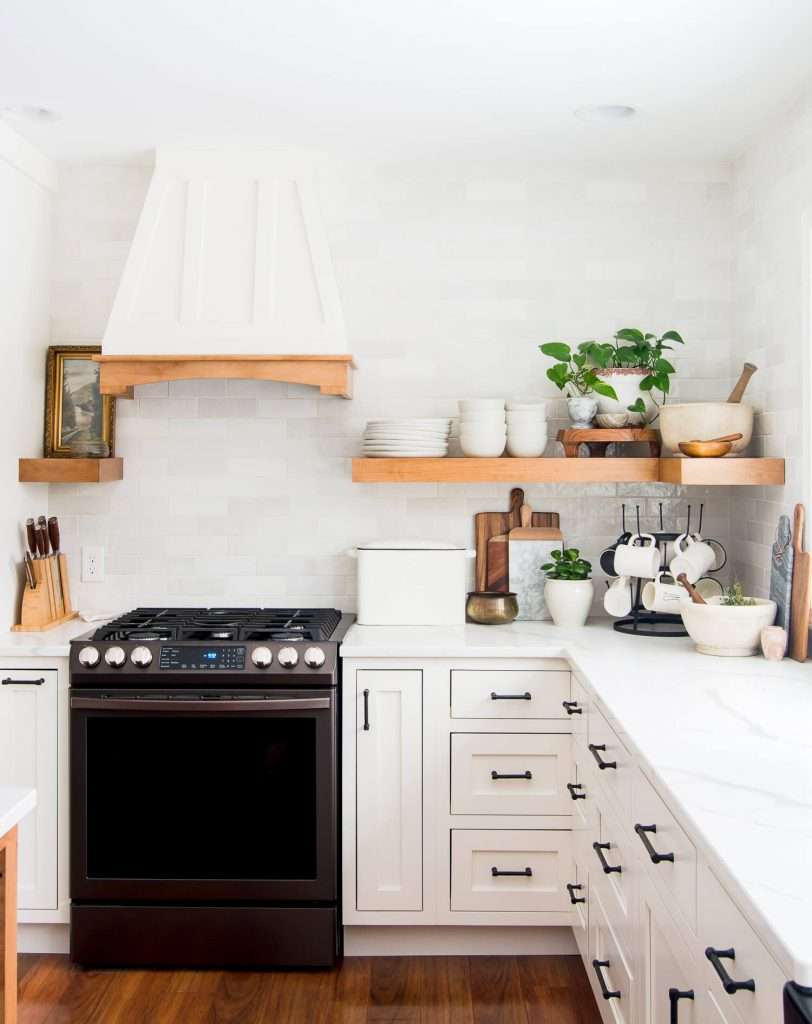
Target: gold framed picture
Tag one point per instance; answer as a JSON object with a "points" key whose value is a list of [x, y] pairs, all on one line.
{"points": [[79, 420]]}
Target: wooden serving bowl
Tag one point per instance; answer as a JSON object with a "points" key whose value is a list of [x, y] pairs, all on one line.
{"points": [[705, 449]]}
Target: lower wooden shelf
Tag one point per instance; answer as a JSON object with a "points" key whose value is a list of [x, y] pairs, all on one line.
{"points": [[704, 472], [70, 471]]}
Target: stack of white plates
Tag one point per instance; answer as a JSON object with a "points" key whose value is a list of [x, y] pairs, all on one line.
{"points": [[406, 438]]}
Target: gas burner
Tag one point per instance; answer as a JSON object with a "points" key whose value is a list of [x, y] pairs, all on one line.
{"points": [[222, 625], [209, 634]]}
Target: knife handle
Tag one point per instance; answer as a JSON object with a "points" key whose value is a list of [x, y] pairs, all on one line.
{"points": [[30, 531], [40, 542], [53, 533]]}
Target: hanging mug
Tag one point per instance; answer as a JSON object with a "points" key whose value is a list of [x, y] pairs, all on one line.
{"points": [[638, 560], [662, 594], [617, 601], [607, 557], [694, 557]]}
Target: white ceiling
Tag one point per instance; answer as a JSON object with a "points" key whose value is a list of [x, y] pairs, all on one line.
{"points": [[467, 78]]}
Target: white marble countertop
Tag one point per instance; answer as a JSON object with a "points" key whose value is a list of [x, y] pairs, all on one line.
{"points": [[52, 643], [15, 803], [730, 739]]}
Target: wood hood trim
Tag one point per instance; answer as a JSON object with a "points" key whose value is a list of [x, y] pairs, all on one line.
{"points": [[331, 374]]}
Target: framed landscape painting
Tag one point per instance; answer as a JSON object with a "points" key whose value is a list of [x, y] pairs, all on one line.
{"points": [[79, 420]]}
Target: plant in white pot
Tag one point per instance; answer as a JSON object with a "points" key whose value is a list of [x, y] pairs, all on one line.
{"points": [[568, 589], [577, 380]]}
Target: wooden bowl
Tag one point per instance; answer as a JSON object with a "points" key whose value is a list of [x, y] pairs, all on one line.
{"points": [[705, 449]]}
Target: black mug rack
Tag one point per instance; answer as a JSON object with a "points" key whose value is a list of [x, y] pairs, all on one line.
{"points": [[639, 621]]}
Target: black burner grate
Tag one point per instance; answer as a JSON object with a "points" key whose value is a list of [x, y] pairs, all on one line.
{"points": [[222, 624]]}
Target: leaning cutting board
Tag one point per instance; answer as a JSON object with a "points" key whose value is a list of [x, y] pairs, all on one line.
{"points": [[781, 572], [494, 524], [528, 549], [801, 565]]}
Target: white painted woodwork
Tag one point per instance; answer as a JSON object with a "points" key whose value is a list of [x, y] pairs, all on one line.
{"points": [[475, 756], [229, 257], [617, 781], [471, 694], [28, 757], [389, 781], [618, 974], [667, 964], [475, 852]]}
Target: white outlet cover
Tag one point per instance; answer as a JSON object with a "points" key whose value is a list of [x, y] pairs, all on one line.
{"points": [[92, 564]]}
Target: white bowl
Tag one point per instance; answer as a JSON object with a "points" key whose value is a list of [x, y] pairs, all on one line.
{"points": [[483, 424], [526, 448], [478, 405], [526, 407], [701, 421], [527, 435], [483, 437], [526, 417], [482, 448], [728, 632]]}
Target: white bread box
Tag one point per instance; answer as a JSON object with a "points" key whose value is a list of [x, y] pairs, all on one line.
{"points": [[411, 583]]}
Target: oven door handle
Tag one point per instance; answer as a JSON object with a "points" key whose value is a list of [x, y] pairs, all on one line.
{"points": [[145, 704]]}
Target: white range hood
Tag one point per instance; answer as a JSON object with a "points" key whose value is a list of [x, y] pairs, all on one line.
{"points": [[229, 258]]}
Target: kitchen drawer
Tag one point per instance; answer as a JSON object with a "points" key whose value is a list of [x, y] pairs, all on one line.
{"points": [[722, 926], [541, 860], [509, 694], [667, 965], [676, 876], [611, 759], [578, 892], [607, 962], [617, 887], [540, 766], [577, 709]]}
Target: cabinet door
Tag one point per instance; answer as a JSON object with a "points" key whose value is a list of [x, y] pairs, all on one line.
{"points": [[389, 786], [672, 979], [28, 757]]}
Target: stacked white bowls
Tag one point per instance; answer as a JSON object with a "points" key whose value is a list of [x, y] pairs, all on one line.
{"points": [[526, 429], [482, 427]]}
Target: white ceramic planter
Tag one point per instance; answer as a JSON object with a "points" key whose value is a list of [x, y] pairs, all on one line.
{"points": [[727, 632], [569, 601], [626, 382], [582, 409]]}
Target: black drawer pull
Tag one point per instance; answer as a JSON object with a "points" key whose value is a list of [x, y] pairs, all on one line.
{"points": [[674, 996], [605, 992], [366, 710], [527, 873], [728, 984], [8, 681], [608, 869], [656, 857], [571, 707], [511, 775], [511, 696], [595, 749], [571, 887], [572, 786]]}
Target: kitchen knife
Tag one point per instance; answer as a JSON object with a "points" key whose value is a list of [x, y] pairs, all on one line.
{"points": [[31, 536], [45, 567], [53, 536], [28, 565]]}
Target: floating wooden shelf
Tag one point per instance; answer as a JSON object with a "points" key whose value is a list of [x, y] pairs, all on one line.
{"points": [[723, 472], [720, 472], [70, 471], [331, 374]]}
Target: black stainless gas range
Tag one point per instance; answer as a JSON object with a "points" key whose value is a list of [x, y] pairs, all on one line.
{"points": [[204, 788]]}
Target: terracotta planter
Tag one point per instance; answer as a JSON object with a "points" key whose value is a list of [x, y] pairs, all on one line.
{"points": [[626, 382]]}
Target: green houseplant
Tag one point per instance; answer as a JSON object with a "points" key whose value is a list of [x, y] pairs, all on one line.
{"points": [[568, 588]]}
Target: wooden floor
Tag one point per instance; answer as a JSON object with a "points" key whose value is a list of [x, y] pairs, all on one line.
{"points": [[419, 990]]}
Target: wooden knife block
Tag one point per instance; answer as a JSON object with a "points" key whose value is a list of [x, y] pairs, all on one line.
{"points": [[40, 603]]}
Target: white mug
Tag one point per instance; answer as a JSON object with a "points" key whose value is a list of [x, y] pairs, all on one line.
{"points": [[617, 600], [694, 557], [659, 596], [641, 561]]}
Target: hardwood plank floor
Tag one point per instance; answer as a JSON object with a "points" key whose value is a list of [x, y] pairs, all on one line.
{"points": [[363, 990]]}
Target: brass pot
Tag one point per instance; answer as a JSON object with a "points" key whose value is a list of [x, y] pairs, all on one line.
{"points": [[491, 608]]}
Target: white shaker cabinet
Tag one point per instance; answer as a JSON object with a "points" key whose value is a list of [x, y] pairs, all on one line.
{"points": [[388, 769], [29, 757]]}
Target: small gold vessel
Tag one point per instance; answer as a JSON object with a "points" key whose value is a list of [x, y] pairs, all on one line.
{"points": [[491, 608]]}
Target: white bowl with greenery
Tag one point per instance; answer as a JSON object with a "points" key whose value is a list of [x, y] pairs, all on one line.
{"points": [[568, 589], [728, 626]]}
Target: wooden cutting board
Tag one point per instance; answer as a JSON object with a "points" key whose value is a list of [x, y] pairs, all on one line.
{"points": [[801, 566], [781, 572], [494, 524]]}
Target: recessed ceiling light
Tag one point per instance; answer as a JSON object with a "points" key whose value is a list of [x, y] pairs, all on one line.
{"points": [[29, 112], [606, 112]]}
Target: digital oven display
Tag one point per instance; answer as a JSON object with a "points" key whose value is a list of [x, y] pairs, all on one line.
{"points": [[202, 658]]}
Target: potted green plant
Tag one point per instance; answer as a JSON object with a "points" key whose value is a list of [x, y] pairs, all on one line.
{"points": [[568, 589], [577, 380]]}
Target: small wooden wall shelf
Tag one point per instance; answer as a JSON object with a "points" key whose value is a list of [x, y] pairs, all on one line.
{"points": [[599, 438], [331, 374], [723, 472], [70, 471]]}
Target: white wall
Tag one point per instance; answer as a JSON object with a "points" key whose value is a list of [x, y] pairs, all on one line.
{"points": [[27, 180], [450, 277], [773, 221]]}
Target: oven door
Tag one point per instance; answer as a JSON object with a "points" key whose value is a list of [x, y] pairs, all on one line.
{"points": [[203, 798]]}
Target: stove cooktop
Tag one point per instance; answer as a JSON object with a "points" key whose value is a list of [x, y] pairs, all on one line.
{"points": [[210, 625]]}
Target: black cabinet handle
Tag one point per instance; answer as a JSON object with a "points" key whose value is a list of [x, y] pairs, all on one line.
{"points": [[605, 992], [674, 996], [366, 710], [571, 707], [656, 857], [716, 956], [527, 873], [572, 786], [8, 681], [511, 775], [595, 749], [571, 887], [511, 696], [608, 869]]}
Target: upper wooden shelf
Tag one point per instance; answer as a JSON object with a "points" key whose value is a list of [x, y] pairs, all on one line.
{"points": [[584, 471], [70, 471], [331, 374]]}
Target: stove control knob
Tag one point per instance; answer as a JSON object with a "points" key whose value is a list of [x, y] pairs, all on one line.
{"points": [[115, 657], [288, 657], [141, 657], [262, 657], [89, 657], [314, 657]]}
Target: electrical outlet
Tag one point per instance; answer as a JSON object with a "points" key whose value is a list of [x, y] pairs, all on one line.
{"points": [[92, 564]]}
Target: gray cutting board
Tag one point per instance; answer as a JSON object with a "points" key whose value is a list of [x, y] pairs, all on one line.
{"points": [[525, 560], [781, 571]]}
